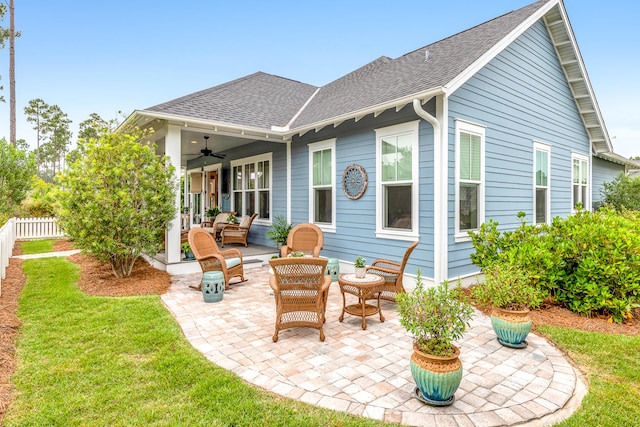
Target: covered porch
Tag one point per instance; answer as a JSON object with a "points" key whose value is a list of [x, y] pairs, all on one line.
{"points": [[217, 168]]}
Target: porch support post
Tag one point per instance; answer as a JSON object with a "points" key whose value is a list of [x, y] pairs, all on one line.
{"points": [[173, 149]]}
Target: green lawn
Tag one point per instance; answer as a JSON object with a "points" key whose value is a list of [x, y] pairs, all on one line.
{"points": [[123, 361]]}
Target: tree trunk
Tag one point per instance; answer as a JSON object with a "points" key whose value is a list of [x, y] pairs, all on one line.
{"points": [[12, 75]]}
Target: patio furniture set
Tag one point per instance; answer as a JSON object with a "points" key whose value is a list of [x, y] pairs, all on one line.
{"points": [[301, 284], [229, 232]]}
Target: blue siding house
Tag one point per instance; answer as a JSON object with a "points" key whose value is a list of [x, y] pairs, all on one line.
{"points": [[497, 119]]}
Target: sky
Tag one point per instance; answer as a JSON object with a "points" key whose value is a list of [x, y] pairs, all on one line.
{"points": [[105, 57]]}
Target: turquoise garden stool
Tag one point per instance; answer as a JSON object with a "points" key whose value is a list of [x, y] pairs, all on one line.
{"points": [[213, 286], [333, 269]]}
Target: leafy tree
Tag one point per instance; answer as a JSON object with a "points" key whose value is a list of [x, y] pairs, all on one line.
{"points": [[117, 200], [17, 169], [624, 191], [41, 200], [56, 128], [37, 112]]}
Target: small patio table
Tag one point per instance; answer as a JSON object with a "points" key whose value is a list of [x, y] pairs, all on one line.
{"points": [[364, 288]]}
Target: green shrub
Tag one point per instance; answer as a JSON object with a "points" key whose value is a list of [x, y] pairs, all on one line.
{"points": [[590, 262], [622, 192], [601, 255]]}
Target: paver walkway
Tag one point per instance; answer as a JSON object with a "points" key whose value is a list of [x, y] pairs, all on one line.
{"points": [[367, 372]]}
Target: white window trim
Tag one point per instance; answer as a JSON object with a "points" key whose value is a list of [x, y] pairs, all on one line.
{"points": [[585, 205], [472, 128], [329, 144], [255, 159], [540, 146], [412, 128]]}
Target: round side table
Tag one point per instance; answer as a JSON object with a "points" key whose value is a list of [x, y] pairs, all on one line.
{"points": [[363, 288]]}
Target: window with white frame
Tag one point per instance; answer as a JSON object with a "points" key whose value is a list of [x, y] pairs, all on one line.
{"points": [[251, 186], [322, 178], [542, 155], [397, 186], [469, 177], [579, 181]]}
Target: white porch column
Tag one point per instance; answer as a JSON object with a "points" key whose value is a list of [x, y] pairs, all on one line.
{"points": [[173, 149]]}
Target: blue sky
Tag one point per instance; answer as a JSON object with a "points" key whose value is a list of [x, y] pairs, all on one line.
{"points": [[104, 57]]}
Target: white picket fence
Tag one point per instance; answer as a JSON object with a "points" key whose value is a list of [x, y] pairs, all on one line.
{"points": [[24, 229]]}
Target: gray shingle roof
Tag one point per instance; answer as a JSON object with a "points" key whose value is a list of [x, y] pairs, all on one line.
{"points": [[258, 100], [262, 100], [387, 79]]}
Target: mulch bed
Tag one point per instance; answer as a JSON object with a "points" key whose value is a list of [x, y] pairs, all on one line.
{"points": [[97, 279]]}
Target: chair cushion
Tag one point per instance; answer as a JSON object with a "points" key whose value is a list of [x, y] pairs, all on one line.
{"points": [[245, 221], [232, 262]]}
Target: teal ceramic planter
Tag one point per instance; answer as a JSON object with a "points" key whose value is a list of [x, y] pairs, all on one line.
{"points": [[511, 327], [437, 378], [213, 286], [333, 269]]}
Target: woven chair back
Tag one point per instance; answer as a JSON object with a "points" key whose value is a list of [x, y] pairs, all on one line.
{"points": [[304, 274], [305, 238], [202, 243]]}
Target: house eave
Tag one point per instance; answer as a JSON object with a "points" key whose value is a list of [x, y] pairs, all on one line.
{"points": [[357, 115], [139, 117]]}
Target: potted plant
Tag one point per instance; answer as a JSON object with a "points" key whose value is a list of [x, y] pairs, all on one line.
{"points": [[188, 254], [232, 219], [360, 264], [212, 213], [435, 317], [510, 293], [279, 232], [297, 254]]}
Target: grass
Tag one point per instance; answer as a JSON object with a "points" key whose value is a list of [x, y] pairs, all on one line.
{"points": [[611, 364], [36, 246], [123, 361]]}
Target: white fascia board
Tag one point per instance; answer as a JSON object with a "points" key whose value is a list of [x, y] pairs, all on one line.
{"points": [[359, 114], [471, 70], [216, 127]]}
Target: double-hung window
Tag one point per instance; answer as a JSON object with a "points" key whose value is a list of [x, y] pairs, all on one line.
{"points": [[579, 181], [322, 195], [251, 186], [469, 177], [542, 155], [397, 183]]}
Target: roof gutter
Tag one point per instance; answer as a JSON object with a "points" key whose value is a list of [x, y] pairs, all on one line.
{"points": [[357, 115], [222, 128], [440, 153]]}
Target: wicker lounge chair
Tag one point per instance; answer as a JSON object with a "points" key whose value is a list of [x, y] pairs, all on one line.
{"points": [[306, 238], [237, 233], [211, 258], [301, 289], [392, 271], [215, 227]]}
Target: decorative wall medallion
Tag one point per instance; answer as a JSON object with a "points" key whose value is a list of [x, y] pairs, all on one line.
{"points": [[354, 181]]}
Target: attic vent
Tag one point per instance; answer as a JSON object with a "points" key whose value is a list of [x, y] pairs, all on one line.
{"points": [[426, 54]]}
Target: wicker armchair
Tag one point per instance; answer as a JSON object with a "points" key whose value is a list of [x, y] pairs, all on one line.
{"points": [[215, 227], [301, 289], [392, 271], [306, 238], [237, 233], [211, 258]]}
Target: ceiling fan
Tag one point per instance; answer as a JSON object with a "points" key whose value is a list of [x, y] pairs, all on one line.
{"points": [[206, 152]]}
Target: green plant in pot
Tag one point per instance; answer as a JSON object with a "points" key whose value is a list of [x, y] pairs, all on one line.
{"points": [[213, 212], [279, 232], [232, 219], [435, 317], [511, 294], [360, 264], [186, 248]]}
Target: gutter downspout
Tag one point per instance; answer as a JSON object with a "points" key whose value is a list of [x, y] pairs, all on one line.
{"points": [[440, 207]]}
